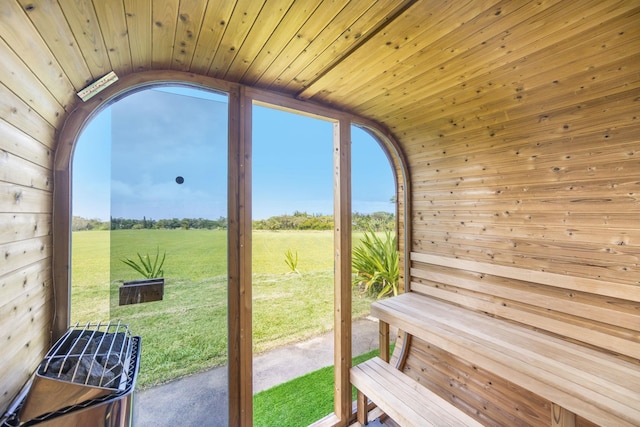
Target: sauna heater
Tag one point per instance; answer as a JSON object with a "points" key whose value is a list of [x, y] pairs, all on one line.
{"points": [[86, 379]]}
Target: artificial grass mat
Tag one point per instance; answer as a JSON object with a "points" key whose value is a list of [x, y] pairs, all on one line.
{"points": [[301, 401]]}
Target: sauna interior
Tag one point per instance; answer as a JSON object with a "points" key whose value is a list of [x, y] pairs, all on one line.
{"points": [[513, 129]]}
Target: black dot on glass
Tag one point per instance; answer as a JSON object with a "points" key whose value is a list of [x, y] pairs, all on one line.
{"points": [[179, 179]]}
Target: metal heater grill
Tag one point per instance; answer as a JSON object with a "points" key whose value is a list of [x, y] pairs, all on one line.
{"points": [[86, 379], [96, 355]]}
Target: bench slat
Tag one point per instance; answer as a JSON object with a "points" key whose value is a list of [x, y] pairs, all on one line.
{"points": [[554, 353], [600, 287], [592, 384], [403, 399], [552, 360], [610, 342], [613, 311]]}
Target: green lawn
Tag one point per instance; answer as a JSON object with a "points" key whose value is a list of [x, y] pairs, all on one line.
{"points": [[186, 332]]}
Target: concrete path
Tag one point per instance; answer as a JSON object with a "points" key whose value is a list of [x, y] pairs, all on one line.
{"points": [[200, 400]]}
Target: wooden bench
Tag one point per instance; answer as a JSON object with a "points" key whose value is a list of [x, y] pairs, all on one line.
{"points": [[574, 344], [403, 399]]}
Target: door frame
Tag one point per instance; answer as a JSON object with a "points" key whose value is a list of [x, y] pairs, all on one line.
{"points": [[241, 100]]}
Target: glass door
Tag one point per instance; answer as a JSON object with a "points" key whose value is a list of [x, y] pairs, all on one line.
{"points": [[166, 236]]}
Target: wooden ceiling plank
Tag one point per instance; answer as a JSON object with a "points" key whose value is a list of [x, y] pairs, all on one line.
{"points": [[311, 28], [353, 24], [529, 129], [165, 16], [554, 121], [287, 29], [493, 55], [83, 22], [444, 64], [549, 107], [18, 32], [113, 24], [541, 80], [242, 20], [139, 22], [581, 82], [590, 144], [401, 40], [15, 74], [266, 23], [445, 75], [190, 16], [214, 25], [48, 18]]}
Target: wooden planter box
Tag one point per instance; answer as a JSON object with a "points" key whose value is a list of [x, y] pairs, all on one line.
{"points": [[139, 291]]}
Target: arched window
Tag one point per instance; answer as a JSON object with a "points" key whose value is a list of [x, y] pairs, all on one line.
{"points": [[239, 192]]}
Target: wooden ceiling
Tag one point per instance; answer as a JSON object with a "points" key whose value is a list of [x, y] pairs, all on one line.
{"points": [[426, 68]]}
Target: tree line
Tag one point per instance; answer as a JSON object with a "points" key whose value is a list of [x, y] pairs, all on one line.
{"points": [[378, 221]]}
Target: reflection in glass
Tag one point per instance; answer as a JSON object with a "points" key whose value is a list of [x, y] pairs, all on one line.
{"points": [[164, 199]]}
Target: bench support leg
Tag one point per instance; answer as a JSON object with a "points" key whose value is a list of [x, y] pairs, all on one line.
{"points": [[384, 341], [362, 412], [560, 417]]}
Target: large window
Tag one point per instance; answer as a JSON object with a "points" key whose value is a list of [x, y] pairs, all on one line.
{"points": [[150, 185], [180, 184]]}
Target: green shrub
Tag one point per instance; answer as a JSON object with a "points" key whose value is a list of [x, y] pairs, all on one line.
{"points": [[375, 264], [145, 267]]}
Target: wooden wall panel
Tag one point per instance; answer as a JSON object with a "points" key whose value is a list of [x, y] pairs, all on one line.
{"points": [[19, 114], [518, 120], [21, 145], [23, 172], [14, 227], [492, 400], [25, 312], [34, 94]]}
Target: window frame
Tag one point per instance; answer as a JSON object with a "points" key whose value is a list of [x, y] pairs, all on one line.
{"points": [[241, 99]]}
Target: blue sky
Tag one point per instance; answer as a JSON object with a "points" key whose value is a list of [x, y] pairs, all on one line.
{"points": [[128, 158]]}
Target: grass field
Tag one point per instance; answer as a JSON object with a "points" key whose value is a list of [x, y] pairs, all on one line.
{"points": [[186, 332]]}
